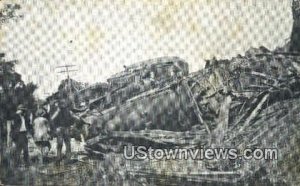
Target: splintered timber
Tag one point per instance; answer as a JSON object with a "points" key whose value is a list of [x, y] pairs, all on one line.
{"points": [[248, 105]]}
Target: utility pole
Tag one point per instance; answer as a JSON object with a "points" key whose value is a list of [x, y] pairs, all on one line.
{"points": [[295, 36], [67, 69]]}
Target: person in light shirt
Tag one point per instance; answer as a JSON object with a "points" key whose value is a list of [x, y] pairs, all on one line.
{"points": [[19, 131], [41, 135]]}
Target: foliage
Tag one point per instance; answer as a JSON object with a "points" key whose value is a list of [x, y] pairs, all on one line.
{"points": [[8, 12], [13, 90]]}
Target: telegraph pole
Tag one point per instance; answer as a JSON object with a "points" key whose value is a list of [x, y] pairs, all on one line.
{"points": [[67, 69]]}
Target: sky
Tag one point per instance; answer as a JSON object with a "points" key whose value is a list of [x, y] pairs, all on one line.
{"points": [[101, 36]]}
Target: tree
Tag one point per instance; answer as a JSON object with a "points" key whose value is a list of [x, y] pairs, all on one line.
{"points": [[9, 13]]}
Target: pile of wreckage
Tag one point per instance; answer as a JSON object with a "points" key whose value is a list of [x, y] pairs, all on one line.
{"points": [[250, 101]]}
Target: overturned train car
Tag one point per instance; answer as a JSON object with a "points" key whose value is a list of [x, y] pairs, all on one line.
{"points": [[152, 95]]}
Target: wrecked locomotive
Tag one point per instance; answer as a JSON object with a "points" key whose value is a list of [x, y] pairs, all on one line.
{"points": [[145, 95], [244, 102], [139, 78]]}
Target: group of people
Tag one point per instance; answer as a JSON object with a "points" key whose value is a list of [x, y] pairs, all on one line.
{"points": [[43, 127]]}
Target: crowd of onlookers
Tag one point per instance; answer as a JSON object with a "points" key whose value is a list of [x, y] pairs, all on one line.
{"points": [[42, 126]]}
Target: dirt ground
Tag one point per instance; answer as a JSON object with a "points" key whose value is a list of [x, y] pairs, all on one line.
{"points": [[81, 170], [112, 169]]}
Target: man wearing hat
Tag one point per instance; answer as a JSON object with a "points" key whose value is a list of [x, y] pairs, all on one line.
{"points": [[19, 131]]}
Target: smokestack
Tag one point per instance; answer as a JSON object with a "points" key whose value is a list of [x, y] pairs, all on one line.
{"points": [[295, 36]]}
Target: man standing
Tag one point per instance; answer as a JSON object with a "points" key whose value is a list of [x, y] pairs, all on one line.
{"points": [[19, 130], [63, 118], [3, 132]]}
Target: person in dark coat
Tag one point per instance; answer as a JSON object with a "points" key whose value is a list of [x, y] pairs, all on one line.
{"points": [[19, 131], [3, 132], [63, 119]]}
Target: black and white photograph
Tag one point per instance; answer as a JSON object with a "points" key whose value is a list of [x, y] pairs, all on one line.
{"points": [[150, 92]]}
